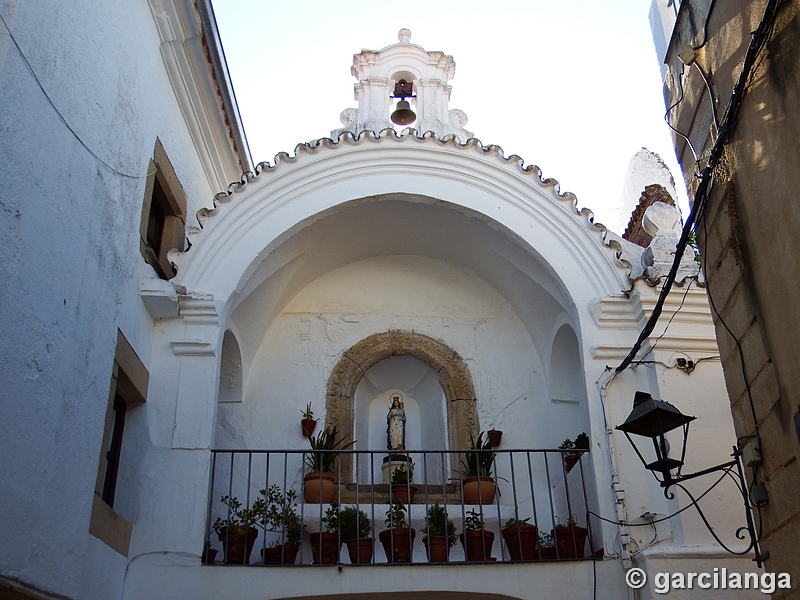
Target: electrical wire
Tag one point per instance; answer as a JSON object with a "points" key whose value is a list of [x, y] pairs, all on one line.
{"points": [[680, 306], [669, 110], [668, 517], [705, 26], [735, 339], [711, 97], [702, 193], [60, 115]]}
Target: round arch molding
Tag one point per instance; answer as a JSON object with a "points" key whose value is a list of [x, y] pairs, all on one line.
{"points": [[454, 377]]}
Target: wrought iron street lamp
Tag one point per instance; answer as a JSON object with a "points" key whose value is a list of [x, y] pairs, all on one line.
{"points": [[653, 419]]}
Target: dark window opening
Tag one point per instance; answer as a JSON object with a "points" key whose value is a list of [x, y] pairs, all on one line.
{"points": [[114, 450], [157, 218]]}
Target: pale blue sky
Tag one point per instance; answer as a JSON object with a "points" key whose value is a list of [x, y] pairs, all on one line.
{"points": [[571, 86]]}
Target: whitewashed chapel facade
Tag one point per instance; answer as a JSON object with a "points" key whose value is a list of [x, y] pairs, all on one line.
{"points": [[370, 264]]}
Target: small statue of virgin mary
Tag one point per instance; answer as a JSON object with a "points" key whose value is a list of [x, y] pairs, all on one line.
{"points": [[396, 424]]}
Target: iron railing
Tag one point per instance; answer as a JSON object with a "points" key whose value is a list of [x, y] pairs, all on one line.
{"points": [[266, 489]]}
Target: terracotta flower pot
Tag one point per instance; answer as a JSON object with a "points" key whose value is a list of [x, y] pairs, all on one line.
{"points": [[209, 556], [360, 550], [479, 490], [284, 554], [570, 541], [404, 492], [521, 541], [318, 488], [437, 548], [545, 553], [570, 460], [325, 548], [398, 543], [237, 547], [308, 426], [478, 545], [494, 435]]}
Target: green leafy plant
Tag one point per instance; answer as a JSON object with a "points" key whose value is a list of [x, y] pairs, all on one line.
{"points": [[692, 243], [402, 475], [321, 458], [570, 522], [546, 540], [518, 522], [479, 459], [396, 515], [307, 413], [331, 518], [438, 525], [354, 523], [473, 521], [239, 520], [579, 443], [277, 512]]}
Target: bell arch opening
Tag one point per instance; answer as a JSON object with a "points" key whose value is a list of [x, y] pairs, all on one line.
{"points": [[461, 417]]}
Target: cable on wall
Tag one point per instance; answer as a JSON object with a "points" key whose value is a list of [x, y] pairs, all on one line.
{"points": [[60, 115], [757, 42]]}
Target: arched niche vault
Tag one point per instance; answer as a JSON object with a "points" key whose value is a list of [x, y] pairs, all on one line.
{"points": [[454, 377]]}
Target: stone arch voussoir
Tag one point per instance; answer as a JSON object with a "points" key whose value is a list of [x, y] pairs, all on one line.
{"points": [[454, 377]]}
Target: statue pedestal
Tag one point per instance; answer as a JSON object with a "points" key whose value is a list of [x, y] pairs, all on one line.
{"points": [[392, 462]]}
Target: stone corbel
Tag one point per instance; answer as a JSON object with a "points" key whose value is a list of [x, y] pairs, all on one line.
{"points": [[159, 297]]}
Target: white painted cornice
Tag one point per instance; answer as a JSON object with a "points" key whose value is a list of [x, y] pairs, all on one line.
{"points": [[326, 173], [198, 94]]}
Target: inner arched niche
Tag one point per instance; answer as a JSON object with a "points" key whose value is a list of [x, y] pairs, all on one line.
{"points": [[230, 371], [417, 385], [453, 373], [567, 387]]}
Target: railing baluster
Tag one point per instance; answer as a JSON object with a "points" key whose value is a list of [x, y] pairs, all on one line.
{"points": [[508, 505]]}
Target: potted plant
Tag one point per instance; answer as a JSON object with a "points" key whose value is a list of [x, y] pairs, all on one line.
{"points": [[547, 547], [277, 513], [398, 540], [439, 534], [477, 541], [521, 538], [355, 527], [237, 533], [579, 443], [476, 467], [570, 538], [401, 484], [318, 482], [308, 423], [209, 556], [326, 545], [494, 435]]}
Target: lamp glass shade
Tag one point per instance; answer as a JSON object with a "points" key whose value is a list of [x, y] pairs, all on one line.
{"points": [[651, 417]]}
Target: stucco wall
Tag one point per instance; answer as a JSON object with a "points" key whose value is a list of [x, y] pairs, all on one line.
{"points": [[71, 267], [344, 306]]}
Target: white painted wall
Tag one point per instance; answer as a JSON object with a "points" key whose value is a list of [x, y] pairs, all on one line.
{"points": [[71, 268]]}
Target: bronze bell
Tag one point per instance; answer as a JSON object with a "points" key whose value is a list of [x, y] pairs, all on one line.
{"points": [[403, 115]]}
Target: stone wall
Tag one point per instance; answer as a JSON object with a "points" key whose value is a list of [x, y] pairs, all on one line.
{"points": [[748, 236]]}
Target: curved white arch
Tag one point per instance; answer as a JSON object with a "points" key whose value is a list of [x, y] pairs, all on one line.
{"points": [[240, 232]]}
